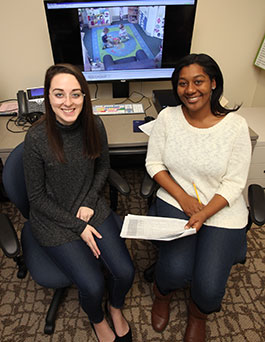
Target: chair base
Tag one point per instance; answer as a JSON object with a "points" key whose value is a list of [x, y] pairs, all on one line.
{"points": [[51, 314], [22, 268], [113, 197], [149, 273]]}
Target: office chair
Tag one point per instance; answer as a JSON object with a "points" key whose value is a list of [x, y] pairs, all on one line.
{"points": [[256, 213], [256, 200], [40, 266]]}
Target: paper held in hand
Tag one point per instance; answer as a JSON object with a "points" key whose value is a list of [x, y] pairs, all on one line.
{"points": [[154, 228]]}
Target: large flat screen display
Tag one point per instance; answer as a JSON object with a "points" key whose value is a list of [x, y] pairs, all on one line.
{"points": [[114, 40]]}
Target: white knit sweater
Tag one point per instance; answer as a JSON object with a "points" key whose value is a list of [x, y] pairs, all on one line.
{"points": [[216, 159]]}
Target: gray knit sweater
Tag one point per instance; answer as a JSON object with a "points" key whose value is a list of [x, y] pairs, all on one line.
{"points": [[57, 190]]}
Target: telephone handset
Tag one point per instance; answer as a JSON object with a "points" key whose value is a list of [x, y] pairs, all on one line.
{"points": [[22, 103], [29, 109]]}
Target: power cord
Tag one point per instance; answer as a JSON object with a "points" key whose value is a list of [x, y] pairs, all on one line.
{"points": [[18, 122], [138, 101]]}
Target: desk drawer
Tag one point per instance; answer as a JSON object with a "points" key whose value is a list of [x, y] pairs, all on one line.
{"points": [[256, 171], [258, 155], [258, 181]]}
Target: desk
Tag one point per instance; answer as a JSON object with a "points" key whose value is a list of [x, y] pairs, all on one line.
{"points": [[9, 140], [122, 140], [255, 118]]}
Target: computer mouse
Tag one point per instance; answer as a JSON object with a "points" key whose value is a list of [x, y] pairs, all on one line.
{"points": [[148, 118]]}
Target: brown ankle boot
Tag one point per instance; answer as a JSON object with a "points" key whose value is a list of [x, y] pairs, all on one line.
{"points": [[196, 328], [160, 310]]}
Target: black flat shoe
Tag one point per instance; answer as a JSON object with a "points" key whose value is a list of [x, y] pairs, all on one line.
{"points": [[125, 338]]}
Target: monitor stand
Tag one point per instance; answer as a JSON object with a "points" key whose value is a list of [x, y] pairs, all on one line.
{"points": [[120, 89]]}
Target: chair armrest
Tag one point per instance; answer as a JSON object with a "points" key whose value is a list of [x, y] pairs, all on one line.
{"points": [[148, 186], [119, 183], [256, 200], [8, 237]]}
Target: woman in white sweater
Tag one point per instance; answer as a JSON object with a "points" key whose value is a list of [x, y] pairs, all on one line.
{"points": [[204, 147]]}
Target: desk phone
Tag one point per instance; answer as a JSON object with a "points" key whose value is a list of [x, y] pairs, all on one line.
{"points": [[30, 104]]}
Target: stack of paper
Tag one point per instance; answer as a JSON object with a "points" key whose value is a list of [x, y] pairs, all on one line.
{"points": [[154, 228]]}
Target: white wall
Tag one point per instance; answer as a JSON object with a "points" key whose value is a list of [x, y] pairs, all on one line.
{"points": [[229, 30], [259, 96], [25, 47]]}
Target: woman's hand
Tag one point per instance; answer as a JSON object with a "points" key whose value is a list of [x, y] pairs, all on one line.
{"points": [[196, 221], [190, 205], [87, 236], [216, 204], [85, 213]]}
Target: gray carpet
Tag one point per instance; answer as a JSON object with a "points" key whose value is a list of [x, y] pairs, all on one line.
{"points": [[23, 303]]}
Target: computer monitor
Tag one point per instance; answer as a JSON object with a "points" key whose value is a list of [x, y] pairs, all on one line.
{"points": [[121, 41]]}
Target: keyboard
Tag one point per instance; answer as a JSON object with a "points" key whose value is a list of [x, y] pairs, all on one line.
{"points": [[119, 109]]}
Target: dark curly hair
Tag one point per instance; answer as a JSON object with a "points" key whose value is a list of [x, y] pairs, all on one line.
{"points": [[212, 69]]}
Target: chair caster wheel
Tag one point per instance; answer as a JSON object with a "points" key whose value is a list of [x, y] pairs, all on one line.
{"points": [[49, 329], [22, 272]]}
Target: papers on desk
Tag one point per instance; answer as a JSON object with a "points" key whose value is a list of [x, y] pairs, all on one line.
{"points": [[154, 228], [147, 127], [8, 108]]}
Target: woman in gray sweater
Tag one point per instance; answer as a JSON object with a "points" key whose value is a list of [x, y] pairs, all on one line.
{"points": [[66, 164]]}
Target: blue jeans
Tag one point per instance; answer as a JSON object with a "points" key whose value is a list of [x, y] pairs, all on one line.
{"points": [[203, 260], [79, 264]]}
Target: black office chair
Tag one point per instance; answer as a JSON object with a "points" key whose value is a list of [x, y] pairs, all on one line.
{"points": [[256, 213], [40, 266], [256, 200]]}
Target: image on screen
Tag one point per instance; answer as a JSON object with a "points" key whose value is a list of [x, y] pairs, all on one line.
{"points": [[121, 38]]}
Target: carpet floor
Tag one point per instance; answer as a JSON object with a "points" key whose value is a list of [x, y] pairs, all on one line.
{"points": [[23, 303]]}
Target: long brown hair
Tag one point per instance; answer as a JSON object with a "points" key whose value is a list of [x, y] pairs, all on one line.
{"points": [[91, 139]]}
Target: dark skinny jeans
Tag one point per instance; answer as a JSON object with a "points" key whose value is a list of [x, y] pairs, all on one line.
{"points": [[203, 260], [79, 264]]}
